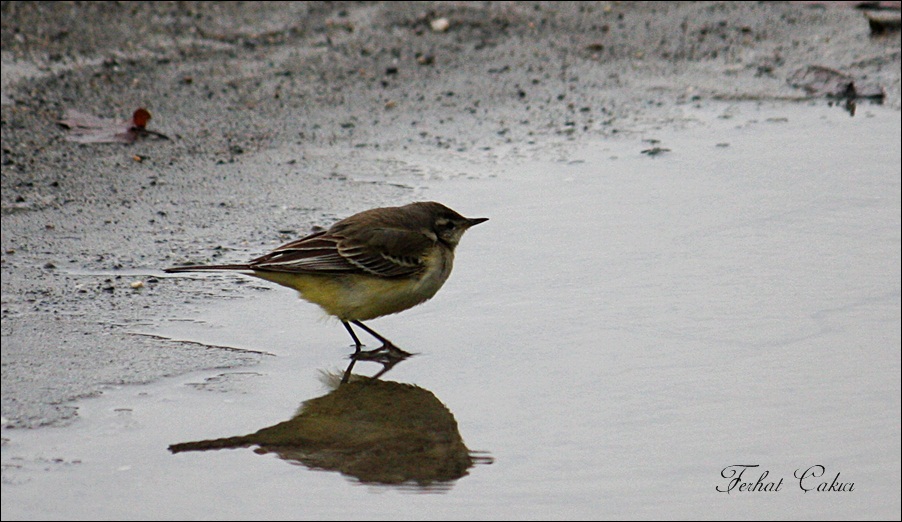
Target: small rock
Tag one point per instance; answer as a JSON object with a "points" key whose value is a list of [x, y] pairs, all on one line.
{"points": [[440, 25]]}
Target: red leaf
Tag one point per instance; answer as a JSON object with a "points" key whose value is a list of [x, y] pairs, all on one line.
{"points": [[91, 129]]}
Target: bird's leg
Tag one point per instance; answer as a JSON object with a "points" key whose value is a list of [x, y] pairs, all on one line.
{"points": [[387, 345], [347, 374], [357, 345], [387, 365], [388, 354]]}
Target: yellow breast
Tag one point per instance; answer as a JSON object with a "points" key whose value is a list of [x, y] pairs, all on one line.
{"points": [[361, 297]]}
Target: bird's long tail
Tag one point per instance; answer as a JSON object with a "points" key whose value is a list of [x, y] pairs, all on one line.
{"points": [[200, 268]]}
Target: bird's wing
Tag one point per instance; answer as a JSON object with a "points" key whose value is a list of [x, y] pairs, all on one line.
{"points": [[383, 252], [315, 253], [386, 252]]}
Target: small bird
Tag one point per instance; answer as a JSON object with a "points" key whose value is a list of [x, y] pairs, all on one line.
{"points": [[374, 263]]}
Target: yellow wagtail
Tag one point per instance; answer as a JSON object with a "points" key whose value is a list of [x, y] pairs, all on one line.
{"points": [[374, 263]]}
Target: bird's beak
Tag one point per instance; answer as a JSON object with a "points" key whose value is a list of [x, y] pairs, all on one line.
{"points": [[475, 221]]}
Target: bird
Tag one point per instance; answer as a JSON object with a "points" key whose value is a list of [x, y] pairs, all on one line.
{"points": [[374, 263]]}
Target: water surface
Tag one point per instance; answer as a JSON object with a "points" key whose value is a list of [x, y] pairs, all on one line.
{"points": [[624, 328]]}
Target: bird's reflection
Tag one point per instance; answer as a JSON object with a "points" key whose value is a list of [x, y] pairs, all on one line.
{"points": [[388, 356], [375, 431]]}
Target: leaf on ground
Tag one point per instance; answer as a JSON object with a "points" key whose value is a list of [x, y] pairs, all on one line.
{"points": [[85, 128]]}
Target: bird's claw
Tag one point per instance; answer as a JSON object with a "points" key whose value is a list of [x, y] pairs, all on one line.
{"points": [[387, 352], [388, 355]]}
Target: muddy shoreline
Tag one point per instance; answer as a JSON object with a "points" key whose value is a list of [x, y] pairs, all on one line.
{"points": [[283, 116]]}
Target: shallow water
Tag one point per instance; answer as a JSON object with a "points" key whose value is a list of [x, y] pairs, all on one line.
{"points": [[623, 329]]}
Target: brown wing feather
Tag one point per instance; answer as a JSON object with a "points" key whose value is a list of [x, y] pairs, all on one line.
{"points": [[386, 252], [314, 253], [383, 252]]}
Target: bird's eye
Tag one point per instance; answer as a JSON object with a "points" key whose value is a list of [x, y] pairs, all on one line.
{"points": [[444, 225]]}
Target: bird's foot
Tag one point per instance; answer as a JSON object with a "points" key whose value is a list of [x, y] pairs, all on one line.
{"points": [[387, 351], [388, 355]]}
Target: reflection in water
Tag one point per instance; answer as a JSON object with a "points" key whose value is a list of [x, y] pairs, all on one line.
{"points": [[388, 356], [376, 431]]}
